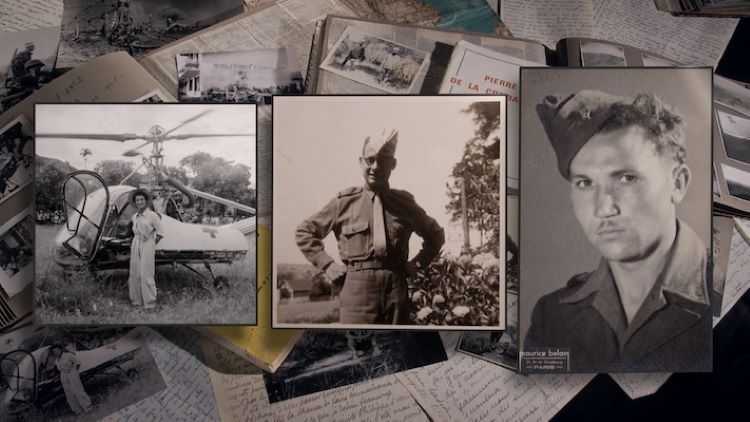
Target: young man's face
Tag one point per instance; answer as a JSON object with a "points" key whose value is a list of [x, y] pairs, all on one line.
{"points": [[624, 194], [376, 169]]}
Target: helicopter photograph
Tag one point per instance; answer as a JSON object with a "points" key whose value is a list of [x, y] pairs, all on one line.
{"points": [[74, 374], [146, 214]]}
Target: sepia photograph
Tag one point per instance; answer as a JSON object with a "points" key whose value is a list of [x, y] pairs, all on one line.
{"points": [[374, 61], [388, 212], [31, 58], [595, 54], [735, 136], [322, 359], [74, 374], [17, 253], [498, 347], [616, 204], [91, 28], [238, 76], [146, 214], [738, 182], [16, 157]]}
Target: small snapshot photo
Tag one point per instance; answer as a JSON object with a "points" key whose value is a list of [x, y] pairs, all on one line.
{"points": [[374, 61], [735, 133], [16, 157], [616, 203], [653, 61], [17, 253], [239, 76], [146, 214], [738, 182], [30, 61], [92, 28], [594, 54], [388, 212], [498, 347], [74, 374], [322, 359]]}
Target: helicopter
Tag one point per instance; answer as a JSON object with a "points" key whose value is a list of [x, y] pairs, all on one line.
{"points": [[96, 235]]}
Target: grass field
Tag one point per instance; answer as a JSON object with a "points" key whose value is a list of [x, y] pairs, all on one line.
{"points": [[81, 299], [306, 311]]}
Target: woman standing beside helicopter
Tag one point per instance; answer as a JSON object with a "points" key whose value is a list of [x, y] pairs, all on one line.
{"points": [[147, 233]]}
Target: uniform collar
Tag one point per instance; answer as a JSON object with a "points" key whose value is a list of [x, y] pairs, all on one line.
{"points": [[682, 279], [371, 193]]}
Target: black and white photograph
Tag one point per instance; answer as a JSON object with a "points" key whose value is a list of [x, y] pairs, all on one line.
{"points": [[74, 374], [30, 61], [388, 212], [735, 136], [91, 28], [738, 182], [594, 54], [374, 61], [652, 61], [732, 94], [148, 214], [498, 347], [238, 76], [323, 359], [17, 253], [16, 157], [615, 220]]}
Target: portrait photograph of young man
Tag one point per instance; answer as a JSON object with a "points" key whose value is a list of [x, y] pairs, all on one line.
{"points": [[615, 220]]}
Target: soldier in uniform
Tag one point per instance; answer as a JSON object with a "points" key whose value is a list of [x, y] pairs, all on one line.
{"points": [[646, 306], [20, 59], [373, 224]]}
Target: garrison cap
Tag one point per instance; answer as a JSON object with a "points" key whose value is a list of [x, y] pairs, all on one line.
{"points": [[571, 121], [383, 144]]}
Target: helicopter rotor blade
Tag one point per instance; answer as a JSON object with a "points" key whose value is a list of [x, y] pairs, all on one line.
{"points": [[122, 137], [203, 135], [132, 152], [184, 122]]}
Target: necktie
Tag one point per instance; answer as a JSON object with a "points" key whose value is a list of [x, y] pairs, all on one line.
{"points": [[378, 228]]}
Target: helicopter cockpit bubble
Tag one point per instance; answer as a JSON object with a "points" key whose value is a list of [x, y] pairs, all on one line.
{"points": [[86, 202]]}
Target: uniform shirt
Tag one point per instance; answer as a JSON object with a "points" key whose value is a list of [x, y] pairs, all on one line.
{"points": [[349, 216], [671, 331], [147, 226]]}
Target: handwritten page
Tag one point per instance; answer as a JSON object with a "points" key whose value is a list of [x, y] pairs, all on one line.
{"points": [[21, 15], [188, 396], [689, 40], [738, 270], [241, 396], [466, 388], [548, 21]]}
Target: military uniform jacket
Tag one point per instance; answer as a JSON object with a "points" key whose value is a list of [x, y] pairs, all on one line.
{"points": [[670, 332], [349, 217]]}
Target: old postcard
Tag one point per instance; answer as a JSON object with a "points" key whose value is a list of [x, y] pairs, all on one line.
{"points": [[151, 210], [16, 157], [615, 174], [344, 254], [253, 76]]}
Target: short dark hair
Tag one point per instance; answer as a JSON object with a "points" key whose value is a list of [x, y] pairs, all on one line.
{"points": [[139, 193], [659, 120]]}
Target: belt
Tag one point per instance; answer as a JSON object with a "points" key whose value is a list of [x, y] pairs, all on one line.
{"points": [[374, 264]]}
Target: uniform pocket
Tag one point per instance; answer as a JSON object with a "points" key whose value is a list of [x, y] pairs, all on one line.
{"points": [[355, 240]]}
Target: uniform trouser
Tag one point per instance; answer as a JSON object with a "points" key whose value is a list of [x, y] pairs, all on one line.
{"points": [[375, 296]]}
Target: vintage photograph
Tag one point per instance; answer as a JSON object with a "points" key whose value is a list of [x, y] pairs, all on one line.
{"points": [[31, 59], [322, 359], [400, 223], [374, 61], [652, 61], [735, 135], [616, 202], [238, 76], [16, 157], [17, 253], [498, 347], [147, 214], [595, 54], [738, 182], [732, 94], [91, 28], [155, 96], [74, 374]]}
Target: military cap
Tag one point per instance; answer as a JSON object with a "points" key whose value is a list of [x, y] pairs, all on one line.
{"points": [[29, 45], [384, 144], [571, 121]]}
